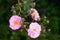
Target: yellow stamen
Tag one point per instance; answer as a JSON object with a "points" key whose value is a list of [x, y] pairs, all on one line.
{"points": [[15, 22], [33, 14], [34, 29]]}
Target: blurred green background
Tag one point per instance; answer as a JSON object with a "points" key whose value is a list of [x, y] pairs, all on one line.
{"points": [[48, 8]]}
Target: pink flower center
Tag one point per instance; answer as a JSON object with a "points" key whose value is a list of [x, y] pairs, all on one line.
{"points": [[15, 22]]}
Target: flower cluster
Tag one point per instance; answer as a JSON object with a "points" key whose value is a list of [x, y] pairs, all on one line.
{"points": [[34, 29]]}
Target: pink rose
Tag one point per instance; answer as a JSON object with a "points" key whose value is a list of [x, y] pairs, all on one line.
{"points": [[15, 22], [34, 14], [34, 30]]}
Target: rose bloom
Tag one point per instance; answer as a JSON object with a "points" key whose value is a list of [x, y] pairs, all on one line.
{"points": [[34, 30], [15, 22], [34, 14]]}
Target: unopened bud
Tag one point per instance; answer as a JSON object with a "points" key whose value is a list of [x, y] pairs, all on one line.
{"points": [[44, 30], [49, 30], [47, 21], [24, 2], [45, 17]]}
